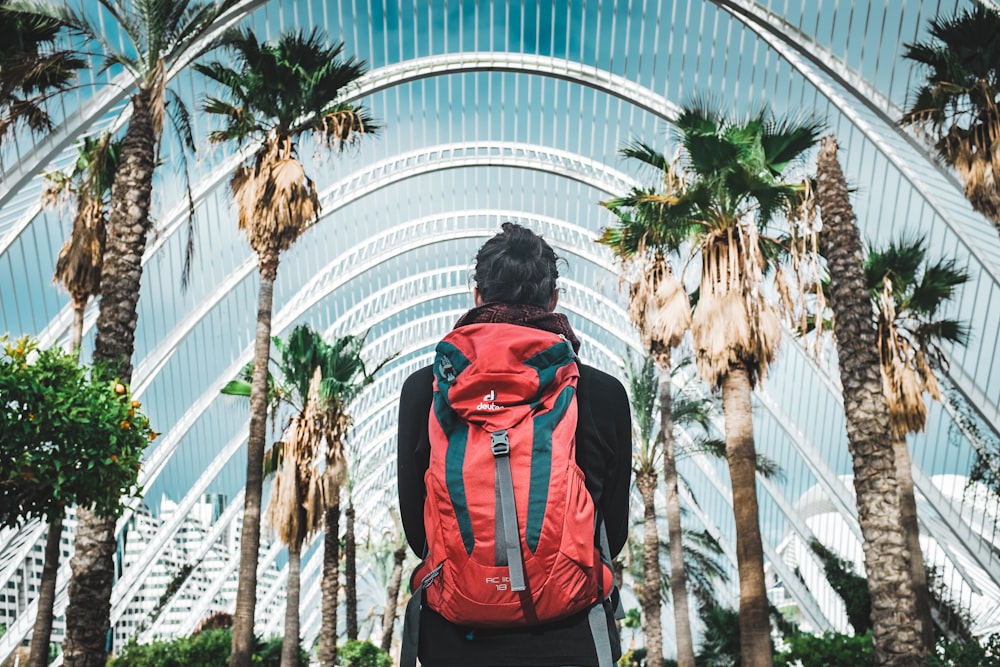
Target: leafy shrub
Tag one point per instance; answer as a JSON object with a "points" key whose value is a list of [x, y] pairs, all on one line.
{"points": [[354, 653], [956, 653], [208, 648], [67, 437], [831, 649], [635, 657]]}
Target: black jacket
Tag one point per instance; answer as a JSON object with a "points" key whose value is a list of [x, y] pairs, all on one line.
{"points": [[604, 453]]}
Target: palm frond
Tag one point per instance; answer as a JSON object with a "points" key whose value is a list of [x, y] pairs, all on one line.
{"points": [[643, 152], [644, 385]]}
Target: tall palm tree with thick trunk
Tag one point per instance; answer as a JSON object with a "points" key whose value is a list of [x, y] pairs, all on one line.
{"points": [[959, 101], [908, 293], [151, 36], [721, 202], [277, 92], [659, 308], [896, 630], [31, 69], [78, 271]]}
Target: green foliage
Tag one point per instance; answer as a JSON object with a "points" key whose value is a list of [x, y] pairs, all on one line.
{"points": [[635, 657], [209, 648], [721, 639], [287, 86], [355, 653], [831, 649], [956, 653], [206, 649], [852, 588], [633, 619], [66, 437]]}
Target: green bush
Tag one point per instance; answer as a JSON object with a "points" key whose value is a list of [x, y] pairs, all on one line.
{"points": [[831, 649], [209, 648], [948, 653], [67, 437], [354, 653]]}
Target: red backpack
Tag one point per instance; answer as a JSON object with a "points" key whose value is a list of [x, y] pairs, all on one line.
{"points": [[512, 532]]}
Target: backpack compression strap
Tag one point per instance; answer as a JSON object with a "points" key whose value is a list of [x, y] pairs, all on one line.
{"points": [[411, 621], [600, 624], [500, 444]]}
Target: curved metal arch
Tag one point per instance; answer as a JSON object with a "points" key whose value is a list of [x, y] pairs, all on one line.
{"points": [[601, 80], [390, 243], [381, 175], [373, 82]]}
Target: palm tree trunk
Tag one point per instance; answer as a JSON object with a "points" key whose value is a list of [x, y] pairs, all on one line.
{"points": [[246, 591], [76, 331], [89, 607], [331, 586], [42, 632], [896, 635], [911, 530], [88, 616], [755, 625], [290, 643], [645, 480], [392, 596], [678, 576], [351, 574]]}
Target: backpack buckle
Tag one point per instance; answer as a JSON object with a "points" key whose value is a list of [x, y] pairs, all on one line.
{"points": [[500, 443]]}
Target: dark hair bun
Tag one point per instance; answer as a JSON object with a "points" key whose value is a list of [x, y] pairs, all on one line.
{"points": [[523, 244], [516, 266]]}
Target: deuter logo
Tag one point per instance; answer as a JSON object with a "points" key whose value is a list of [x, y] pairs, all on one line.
{"points": [[488, 402]]}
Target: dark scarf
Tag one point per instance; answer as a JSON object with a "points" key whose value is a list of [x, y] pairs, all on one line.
{"points": [[523, 314]]}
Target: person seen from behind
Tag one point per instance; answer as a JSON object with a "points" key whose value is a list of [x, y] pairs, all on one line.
{"points": [[514, 463]]}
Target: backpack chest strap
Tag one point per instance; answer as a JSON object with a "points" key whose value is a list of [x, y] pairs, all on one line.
{"points": [[508, 541]]}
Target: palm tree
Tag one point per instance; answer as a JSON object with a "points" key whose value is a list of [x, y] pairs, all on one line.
{"points": [[31, 71], [349, 375], [78, 270], [721, 204], [659, 308], [908, 294], [959, 102], [279, 91], [78, 267], [151, 36], [318, 380], [643, 385], [896, 631], [289, 510]]}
